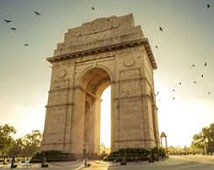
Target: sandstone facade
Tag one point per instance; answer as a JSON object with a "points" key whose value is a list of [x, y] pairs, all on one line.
{"points": [[105, 52]]}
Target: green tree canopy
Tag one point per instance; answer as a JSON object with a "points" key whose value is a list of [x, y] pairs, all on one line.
{"points": [[32, 143], [25, 146], [205, 139], [6, 140], [17, 148]]}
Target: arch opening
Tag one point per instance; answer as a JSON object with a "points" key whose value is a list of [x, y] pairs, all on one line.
{"points": [[105, 120], [93, 83]]}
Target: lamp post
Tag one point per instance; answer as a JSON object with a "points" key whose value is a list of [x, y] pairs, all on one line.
{"points": [[193, 149], [206, 146], [85, 154]]}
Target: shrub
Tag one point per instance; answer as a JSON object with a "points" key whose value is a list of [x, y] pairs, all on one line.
{"points": [[52, 156], [136, 154]]}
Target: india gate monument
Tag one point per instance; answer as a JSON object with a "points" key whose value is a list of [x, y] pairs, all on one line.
{"points": [[105, 52]]}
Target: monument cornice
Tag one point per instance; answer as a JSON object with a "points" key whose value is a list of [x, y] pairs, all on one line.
{"points": [[122, 45]]}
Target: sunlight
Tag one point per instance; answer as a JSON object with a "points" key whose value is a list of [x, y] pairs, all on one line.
{"points": [[105, 118]]}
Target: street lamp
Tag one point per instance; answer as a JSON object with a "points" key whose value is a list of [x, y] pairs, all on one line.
{"points": [[193, 149]]}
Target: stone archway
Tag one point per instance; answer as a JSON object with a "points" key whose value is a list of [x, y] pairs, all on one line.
{"points": [[107, 51], [93, 83]]}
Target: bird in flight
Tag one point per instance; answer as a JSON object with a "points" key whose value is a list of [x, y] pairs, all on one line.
{"points": [[7, 21], [194, 82], [173, 98], [193, 65], [13, 28], [92, 8], [205, 64], [156, 46], [26, 45], [208, 5], [37, 13], [160, 28], [202, 75], [209, 93], [179, 83]]}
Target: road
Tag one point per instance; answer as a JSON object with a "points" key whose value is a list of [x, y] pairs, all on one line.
{"points": [[172, 163]]}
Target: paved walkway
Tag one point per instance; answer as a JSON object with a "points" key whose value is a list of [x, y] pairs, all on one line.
{"points": [[76, 165], [173, 163]]}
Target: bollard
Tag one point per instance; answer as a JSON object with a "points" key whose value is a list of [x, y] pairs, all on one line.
{"points": [[4, 161], [13, 163], [151, 159], [124, 160], [43, 165], [85, 155]]}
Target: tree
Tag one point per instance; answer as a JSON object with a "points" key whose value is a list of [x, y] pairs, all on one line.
{"points": [[17, 148], [25, 146], [6, 141], [31, 143], [205, 139]]}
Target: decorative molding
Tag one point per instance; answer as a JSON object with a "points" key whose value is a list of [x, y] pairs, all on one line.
{"points": [[59, 89], [60, 143], [127, 44], [59, 105], [129, 62], [133, 140], [61, 73]]}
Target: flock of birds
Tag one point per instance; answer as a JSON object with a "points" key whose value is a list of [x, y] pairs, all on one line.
{"points": [[180, 83], [36, 13], [193, 65], [7, 21]]}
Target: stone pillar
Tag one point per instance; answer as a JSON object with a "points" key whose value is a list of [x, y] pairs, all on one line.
{"points": [[78, 121]]}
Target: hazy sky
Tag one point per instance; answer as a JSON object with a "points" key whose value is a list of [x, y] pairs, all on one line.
{"points": [[187, 39]]}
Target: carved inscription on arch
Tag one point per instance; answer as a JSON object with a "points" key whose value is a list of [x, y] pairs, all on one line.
{"points": [[130, 74]]}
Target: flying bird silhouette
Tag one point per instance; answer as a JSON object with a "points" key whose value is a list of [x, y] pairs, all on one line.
{"points": [[92, 8], [208, 5], [13, 28], [7, 21], [179, 83], [156, 46], [209, 93], [194, 82], [202, 75], [173, 98], [193, 65], [26, 45], [37, 13], [160, 28], [205, 64]]}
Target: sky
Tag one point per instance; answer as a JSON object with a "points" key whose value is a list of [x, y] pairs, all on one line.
{"points": [[187, 39]]}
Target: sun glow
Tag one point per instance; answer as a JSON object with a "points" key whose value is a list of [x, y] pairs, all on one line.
{"points": [[105, 118]]}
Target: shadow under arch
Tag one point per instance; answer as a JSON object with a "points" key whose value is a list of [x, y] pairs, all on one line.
{"points": [[94, 67]]}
